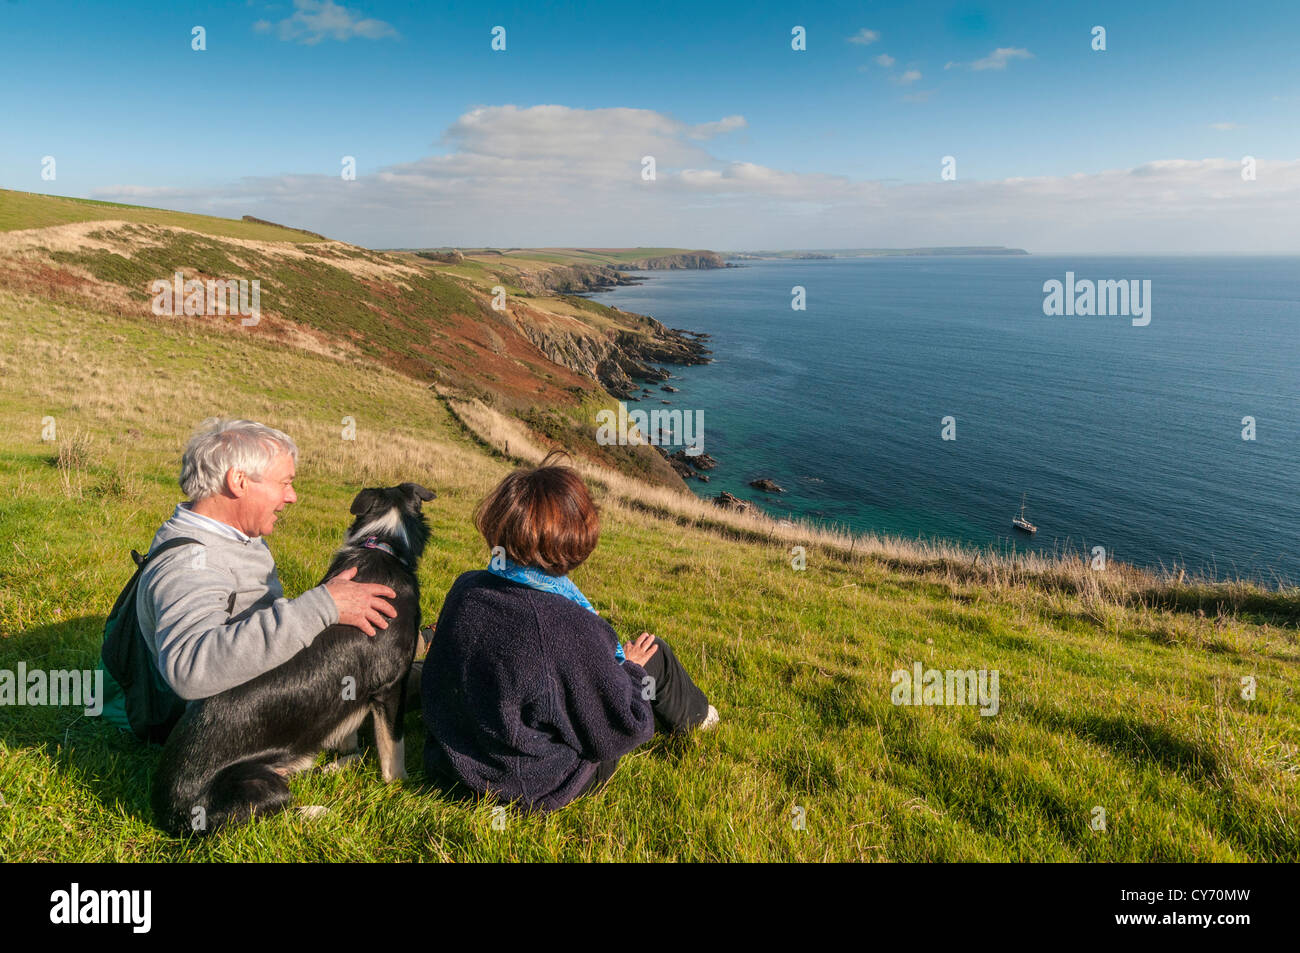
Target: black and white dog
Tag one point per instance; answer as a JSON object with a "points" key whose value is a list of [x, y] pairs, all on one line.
{"points": [[227, 758]]}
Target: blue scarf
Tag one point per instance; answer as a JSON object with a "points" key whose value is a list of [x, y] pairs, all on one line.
{"points": [[545, 582]]}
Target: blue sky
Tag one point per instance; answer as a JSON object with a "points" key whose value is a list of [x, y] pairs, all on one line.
{"points": [[837, 145]]}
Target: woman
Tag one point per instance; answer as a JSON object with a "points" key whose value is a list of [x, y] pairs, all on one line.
{"points": [[526, 691]]}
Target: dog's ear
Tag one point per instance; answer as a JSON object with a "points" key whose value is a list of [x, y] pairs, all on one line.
{"points": [[366, 500], [418, 492]]}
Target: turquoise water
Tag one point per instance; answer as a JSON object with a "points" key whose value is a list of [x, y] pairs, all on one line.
{"points": [[1124, 437]]}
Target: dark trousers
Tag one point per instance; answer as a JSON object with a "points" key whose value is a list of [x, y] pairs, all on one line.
{"points": [[677, 703]]}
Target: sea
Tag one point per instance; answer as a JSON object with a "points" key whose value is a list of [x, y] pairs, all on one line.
{"points": [[927, 397]]}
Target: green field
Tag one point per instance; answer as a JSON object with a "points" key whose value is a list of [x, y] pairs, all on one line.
{"points": [[31, 210], [1134, 709]]}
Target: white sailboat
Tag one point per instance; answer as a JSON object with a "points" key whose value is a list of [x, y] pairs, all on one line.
{"points": [[1021, 523]]}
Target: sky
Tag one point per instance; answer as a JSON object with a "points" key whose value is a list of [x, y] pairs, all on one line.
{"points": [[1055, 147]]}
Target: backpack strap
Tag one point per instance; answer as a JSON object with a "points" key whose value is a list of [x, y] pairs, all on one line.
{"points": [[141, 561], [161, 548]]}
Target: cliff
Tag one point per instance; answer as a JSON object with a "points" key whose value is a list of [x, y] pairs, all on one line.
{"points": [[576, 271], [572, 279], [616, 359], [697, 259]]}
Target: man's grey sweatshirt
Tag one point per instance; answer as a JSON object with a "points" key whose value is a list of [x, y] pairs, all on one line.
{"points": [[202, 641]]}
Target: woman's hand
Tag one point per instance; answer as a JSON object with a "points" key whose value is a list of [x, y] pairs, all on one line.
{"points": [[640, 650]]}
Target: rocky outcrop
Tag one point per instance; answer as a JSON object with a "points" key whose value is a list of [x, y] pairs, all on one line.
{"points": [[664, 345], [700, 461], [593, 355], [453, 257], [682, 469], [622, 356], [616, 361], [726, 501], [766, 485], [573, 279]]}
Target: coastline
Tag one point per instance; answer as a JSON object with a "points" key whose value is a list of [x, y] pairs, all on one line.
{"points": [[1058, 457]]}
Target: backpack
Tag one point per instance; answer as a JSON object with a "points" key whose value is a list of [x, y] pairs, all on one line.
{"points": [[136, 696]]}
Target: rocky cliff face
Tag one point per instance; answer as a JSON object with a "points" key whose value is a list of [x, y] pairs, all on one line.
{"points": [[616, 359], [577, 278], [452, 257], [701, 259], [572, 279]]}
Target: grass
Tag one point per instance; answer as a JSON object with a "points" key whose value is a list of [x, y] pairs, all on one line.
{"points": [[31, 210], [1107, 700]]}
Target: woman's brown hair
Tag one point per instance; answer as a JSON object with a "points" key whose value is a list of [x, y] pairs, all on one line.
{"points": [[542, 517]]}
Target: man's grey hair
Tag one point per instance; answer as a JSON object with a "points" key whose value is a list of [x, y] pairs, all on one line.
{"points": [[220, 445]]}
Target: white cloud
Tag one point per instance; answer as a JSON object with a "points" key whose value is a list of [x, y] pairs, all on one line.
{"points": [[909, 77], [554, 175], [315, 20], [918, 96], [999, 58], [865, 37], [707, 130], [885, 60]]}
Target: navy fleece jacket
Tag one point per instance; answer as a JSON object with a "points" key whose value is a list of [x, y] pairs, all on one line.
{"points": [[522, 695]]}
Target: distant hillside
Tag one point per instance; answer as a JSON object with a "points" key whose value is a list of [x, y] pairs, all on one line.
{"points": [[881, 252], [574, 270], [651, 258]]}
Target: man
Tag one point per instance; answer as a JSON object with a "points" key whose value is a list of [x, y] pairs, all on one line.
{"points": [[214, 615]]}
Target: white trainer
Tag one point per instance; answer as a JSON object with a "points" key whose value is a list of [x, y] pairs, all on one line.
{"points": [[710, 720]]}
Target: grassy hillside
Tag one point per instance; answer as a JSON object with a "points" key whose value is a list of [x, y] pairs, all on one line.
{"points": [[31, 210], [1112, 703], [433, 325]]}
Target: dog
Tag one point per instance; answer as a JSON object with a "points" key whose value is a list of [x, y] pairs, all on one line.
{"points": [[227, 759]]}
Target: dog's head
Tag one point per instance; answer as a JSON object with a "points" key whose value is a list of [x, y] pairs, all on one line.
{"points": [[393, 514]]}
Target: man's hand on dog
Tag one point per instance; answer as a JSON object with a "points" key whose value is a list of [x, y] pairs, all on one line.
{"points": [[362, 604]]}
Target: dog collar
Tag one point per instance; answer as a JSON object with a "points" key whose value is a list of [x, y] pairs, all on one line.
{"points": [[374, 542]]}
